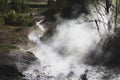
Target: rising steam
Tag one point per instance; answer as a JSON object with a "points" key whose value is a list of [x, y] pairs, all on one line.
{"points": [[66, 50]]}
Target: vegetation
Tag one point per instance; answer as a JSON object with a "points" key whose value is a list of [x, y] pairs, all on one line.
{"points": [[2, 21], [12, 13], [38, 3], [18, 19], [10, 36], [8, 5], [14, 17], [16, 13]]}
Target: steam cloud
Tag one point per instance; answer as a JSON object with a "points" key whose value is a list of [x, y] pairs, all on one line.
{"points": [[66, 50]]}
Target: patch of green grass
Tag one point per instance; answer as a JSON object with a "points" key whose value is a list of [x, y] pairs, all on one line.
{"points": [[7, 47], [19, 39], [11, 36], [36, 3]]}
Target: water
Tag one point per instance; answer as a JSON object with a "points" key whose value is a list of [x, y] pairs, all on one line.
{"points": [[62, 56]]}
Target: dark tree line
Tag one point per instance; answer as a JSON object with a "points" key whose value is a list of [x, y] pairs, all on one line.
{"points": [[12, 12], [8, 5], [68, 6]]}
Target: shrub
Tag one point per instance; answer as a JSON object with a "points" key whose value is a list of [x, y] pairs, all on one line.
{"points": [[10, 19], [18, 19], [2, 21]]}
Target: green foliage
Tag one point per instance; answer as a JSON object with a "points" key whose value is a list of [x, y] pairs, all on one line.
{"points": [[11, 13], [2, 21], [16, 5], [4, 5], [7, 47], [18, 19]]}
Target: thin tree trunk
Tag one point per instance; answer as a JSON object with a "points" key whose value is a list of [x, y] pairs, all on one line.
{"points": [[116, 14]]}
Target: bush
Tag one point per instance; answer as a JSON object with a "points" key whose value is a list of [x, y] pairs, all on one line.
{"points": [[18, 19], [2, 21]]}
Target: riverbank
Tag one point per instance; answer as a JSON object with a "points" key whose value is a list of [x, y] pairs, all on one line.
{"points": [[13, 61]]}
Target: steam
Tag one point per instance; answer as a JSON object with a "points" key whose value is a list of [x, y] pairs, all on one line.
{"points": [[66, 50]]}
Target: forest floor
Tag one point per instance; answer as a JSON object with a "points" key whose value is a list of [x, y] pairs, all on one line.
{"points": [[11, 36], [12, 60]]}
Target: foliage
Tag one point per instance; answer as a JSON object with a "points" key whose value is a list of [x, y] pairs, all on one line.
{"points": [[2, 21], [18, 19], [4, 5], [6, 47], [11, 36], [16, 5]]}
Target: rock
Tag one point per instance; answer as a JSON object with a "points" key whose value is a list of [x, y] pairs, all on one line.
{"points": [[12, 64], [9, 70], [71, 73], [84, 77], [22, 59], [50, 30]]}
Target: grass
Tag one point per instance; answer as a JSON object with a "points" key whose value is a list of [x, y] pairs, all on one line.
{"points": [[11, 36], [7, 47], [37, 3]]}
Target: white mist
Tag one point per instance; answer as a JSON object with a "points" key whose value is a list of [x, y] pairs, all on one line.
{"points": [[66, 50]]}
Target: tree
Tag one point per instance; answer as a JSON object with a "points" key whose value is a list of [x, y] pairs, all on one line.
{"points": [[4, 6], [16, 5]]}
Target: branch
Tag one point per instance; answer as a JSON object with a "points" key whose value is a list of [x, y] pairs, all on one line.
{"points": [[89, 21], [97, 27], [116, 14]]}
